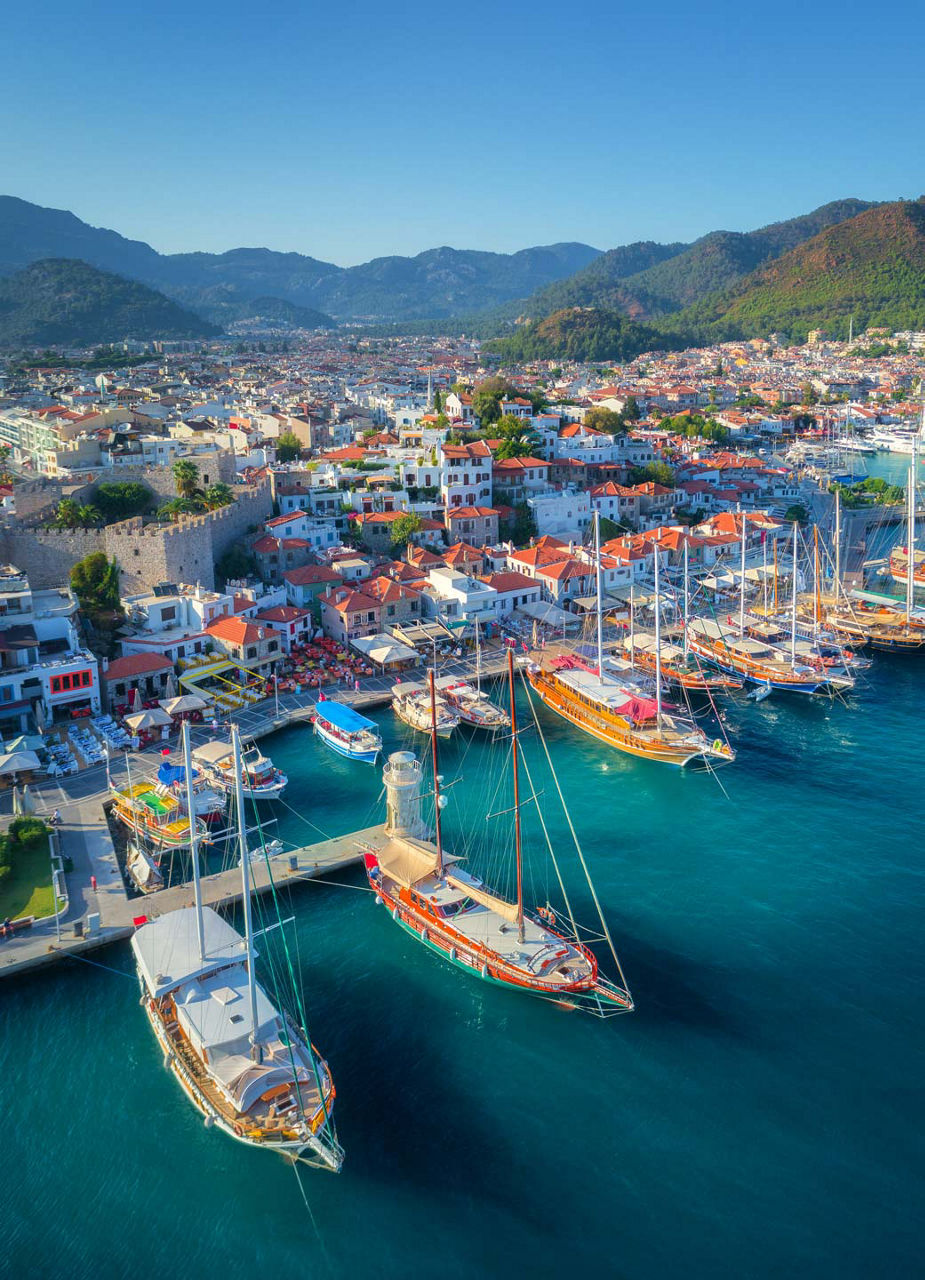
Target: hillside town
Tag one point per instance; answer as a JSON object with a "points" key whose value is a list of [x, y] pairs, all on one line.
{"points": [[385, 494]]}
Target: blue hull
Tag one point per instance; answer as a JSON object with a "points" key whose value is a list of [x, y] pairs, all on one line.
{"points": [[756, 680]]}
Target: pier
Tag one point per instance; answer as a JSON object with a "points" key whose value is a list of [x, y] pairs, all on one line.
{"points": [[99, 909]]}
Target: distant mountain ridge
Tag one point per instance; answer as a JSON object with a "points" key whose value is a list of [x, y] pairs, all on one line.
{"points": [[870, 267], [437, 283], [64, 302], [682, 274]]}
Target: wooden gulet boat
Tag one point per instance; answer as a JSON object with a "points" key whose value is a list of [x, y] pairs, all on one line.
{"points": [[248, 1067], [618, 715], [887, 628], [413, 706], [472, 705], [459, 917]]}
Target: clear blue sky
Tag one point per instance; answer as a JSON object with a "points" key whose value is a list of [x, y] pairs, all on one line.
{"points": [[352, 130]]}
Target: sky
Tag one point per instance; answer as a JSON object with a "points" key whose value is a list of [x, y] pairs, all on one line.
{"points": [[354, 130]]}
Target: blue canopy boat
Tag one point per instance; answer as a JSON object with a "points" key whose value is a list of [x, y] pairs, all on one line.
{"points": [[347, 732]]}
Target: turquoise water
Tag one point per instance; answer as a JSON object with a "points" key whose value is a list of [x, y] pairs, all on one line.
{"points": [[758, 1115]]}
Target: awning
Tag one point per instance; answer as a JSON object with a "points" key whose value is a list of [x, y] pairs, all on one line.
{"points": [[19, 762], [383, 650], [185, 702], [152, 719], [549, 614]]}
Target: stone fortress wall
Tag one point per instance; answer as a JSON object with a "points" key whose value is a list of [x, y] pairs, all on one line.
{"points": [[183, 551]]}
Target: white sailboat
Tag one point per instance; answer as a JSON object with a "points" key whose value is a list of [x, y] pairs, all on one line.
{"points": [[248, 1067]]}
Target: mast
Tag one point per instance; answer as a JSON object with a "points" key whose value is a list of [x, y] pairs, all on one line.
{"points": [[775, 575], [632, 626], [817, 602], [793, 602], [600, 599], [742, 585], [910, 536], [514, 765], [437, 797], [658, 649], [246, 890], [687, 596], [193, 839], [478, 658], [837, 544], [764, 572]]}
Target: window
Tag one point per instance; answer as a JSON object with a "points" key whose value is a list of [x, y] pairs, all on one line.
{"points": [[168, 613], [252, 651]]}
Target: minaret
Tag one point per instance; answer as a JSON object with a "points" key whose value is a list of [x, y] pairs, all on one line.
{"points": [[430, 390]]}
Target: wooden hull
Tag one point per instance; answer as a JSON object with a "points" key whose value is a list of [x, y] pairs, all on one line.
{"points": [[594, 993], [611, 729], [295, 1145]]}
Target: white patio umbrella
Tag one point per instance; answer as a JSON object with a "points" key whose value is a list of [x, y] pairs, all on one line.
{"points": [[27, 804], [171, 689], [19, 762], [17, 803], [185, 702], [151, 719], [136, 699], [39, 718]]}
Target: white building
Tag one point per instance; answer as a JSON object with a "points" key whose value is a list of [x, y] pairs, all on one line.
{"points": [[42, 662], [563, 513]]}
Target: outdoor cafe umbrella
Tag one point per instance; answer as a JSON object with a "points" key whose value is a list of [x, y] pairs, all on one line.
{"points": [[136, 699], [27, 803], [153, 719], [19, 762], [171, 690], [17, 803], [39, 718], [185, 702]]}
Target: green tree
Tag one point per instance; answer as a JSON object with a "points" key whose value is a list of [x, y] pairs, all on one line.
{"points": [[120, 500], [68, 514], [808, 395], [606, 420], [288, 447], [235, 563], [95, 583], [796, 514], [404, 529], [186, 477], [487, 397], [181, 507], [611, 529], [522, 525], [631, 411], [518, 439], [658, 472], [438, 401], [218, 495]]}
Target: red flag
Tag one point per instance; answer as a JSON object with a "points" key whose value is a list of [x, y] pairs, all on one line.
{"points": [[165, 751]]}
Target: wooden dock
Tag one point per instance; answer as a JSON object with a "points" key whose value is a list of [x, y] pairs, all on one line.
{"points": [[112, 913]]}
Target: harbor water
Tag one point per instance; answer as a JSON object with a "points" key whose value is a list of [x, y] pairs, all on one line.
{"points": [[758, 1115]]}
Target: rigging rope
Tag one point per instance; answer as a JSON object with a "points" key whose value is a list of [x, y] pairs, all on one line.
{"points": [[581, 856]]}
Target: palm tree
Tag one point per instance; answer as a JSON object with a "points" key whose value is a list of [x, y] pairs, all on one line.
{"points": [[218, 495], [68, 514], [186, 477]]}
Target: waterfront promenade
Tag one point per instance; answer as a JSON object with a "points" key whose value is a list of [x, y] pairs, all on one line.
{"points": [[99, 910]]}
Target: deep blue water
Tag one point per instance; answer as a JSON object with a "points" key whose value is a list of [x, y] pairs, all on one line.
{"points": [[759, 1115]]}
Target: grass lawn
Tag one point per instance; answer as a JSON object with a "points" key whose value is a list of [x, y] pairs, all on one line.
{"points": [[27, 890]]}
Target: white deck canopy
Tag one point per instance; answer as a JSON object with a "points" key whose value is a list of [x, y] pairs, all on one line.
{"points": [[167, 949]]}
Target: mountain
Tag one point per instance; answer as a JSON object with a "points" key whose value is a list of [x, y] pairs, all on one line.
{"points": [[871, 267], [59, 301], [436, 283], [579, 333], [681, 274], [273, 311]]}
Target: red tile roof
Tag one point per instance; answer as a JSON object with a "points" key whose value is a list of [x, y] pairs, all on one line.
{"points": [[136, 664], [310, 575]]}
